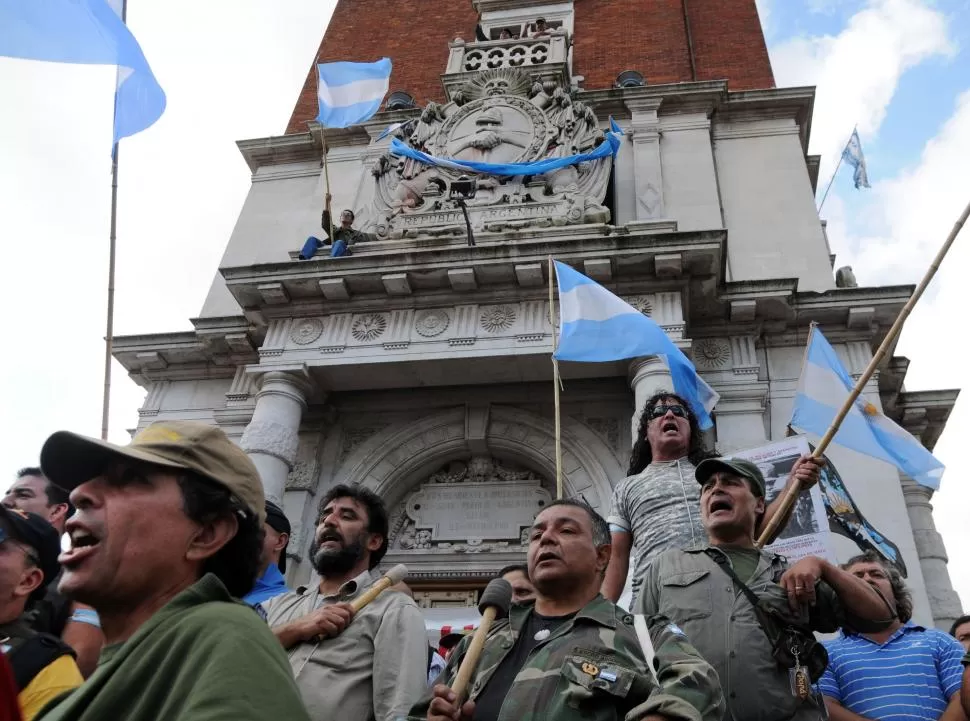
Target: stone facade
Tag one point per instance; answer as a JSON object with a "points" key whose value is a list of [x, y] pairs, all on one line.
{"points": [[419, 366]]}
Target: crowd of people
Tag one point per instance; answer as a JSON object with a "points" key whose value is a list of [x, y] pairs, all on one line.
{"points": [[167, 599]]}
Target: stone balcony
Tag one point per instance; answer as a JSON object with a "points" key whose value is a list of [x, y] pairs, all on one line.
{"points": [[546, 58]]}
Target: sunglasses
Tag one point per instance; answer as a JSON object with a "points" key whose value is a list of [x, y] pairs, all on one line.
{"points": [[661, 411]]}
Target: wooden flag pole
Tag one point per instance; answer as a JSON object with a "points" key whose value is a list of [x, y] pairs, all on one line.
{"points": [[555, 378], [791, 495], [326, 177]]}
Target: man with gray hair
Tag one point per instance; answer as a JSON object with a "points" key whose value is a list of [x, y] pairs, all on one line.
{"points": [[905, 671]]}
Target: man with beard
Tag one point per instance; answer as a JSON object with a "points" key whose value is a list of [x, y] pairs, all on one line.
{"points": [[572, 655], [352, 667], [656, 506]]}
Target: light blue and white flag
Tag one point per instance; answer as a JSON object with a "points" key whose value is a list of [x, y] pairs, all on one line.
{"points": [[350, 93], [823, 388], [529, 167], [854, 157], [86, 32], [597, 326]]}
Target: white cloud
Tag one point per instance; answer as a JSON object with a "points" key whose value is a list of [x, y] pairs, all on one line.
{"points": [[857, 71], [232, 71], [905, 217]]}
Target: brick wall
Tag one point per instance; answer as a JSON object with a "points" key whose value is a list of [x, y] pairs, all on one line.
{"points": [[610, 36], [413, 33]]}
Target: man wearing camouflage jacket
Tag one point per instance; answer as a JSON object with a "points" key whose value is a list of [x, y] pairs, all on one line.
{"points": [[574, 655]]}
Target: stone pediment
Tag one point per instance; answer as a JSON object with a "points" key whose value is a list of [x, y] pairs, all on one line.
{"points": [[500, 116]]}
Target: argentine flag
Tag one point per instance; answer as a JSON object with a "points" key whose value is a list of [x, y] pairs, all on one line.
{"points": [[350, 93], [823, 388], [597, 326], [854, 157], [86, 32]]}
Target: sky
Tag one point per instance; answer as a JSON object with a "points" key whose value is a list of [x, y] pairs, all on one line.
{"points": [[895, 69]]}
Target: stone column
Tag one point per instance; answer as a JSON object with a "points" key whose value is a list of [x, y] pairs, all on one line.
{"points": [[271, 438], [647, 376], [944, 601]]}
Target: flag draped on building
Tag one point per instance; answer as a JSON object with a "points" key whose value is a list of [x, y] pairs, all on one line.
{"points": [[350, 93], [822, 389], [605, 149], [86, 32], [597, 326], [852, 154]]}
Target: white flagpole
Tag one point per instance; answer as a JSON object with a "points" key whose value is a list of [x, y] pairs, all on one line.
{"points": [[112, 238]]}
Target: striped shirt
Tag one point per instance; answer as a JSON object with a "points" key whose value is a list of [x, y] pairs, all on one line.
{"points": [[912, 675]]}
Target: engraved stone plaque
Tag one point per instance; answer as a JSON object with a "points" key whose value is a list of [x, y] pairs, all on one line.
{"points": [[487, 511]]}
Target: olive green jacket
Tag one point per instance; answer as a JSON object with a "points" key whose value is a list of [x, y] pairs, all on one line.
{"points": [[592, 668], [690, 588]]}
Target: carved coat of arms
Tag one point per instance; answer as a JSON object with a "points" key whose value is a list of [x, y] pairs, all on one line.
{"points": [[500, 116]]}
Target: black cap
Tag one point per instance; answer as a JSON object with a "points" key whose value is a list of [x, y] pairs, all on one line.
{"points": [[34, 531], [450, 640], [736, 466], [277, 520]]}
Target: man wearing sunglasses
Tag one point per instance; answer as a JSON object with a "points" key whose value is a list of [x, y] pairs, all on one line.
{"points": [[655, 507], [43, 665]]}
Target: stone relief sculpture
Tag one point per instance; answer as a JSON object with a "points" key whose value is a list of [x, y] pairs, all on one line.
{"points": [[407, 535], [499, 116]]}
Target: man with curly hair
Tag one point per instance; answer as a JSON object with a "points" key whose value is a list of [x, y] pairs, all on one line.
{"points": [[655, 507]]}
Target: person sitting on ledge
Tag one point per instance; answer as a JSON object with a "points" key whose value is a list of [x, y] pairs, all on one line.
{"points": [[345, 236]]}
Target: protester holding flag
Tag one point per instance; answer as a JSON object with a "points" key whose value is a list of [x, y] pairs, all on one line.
{"points": [[654, 508]]}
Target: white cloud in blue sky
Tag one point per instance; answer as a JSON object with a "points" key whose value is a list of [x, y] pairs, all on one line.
{"points": [[897, 68]]}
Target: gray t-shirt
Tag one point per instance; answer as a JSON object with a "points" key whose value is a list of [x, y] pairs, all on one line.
{"points": [[661, 507]]}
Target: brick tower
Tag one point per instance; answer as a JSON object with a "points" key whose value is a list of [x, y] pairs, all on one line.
{"points": [[667, 41]]}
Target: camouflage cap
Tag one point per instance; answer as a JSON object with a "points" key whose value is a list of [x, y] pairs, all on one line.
{"points": [[69, 459], [736, 466]]}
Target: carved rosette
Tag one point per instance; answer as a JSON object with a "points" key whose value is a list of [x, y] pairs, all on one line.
{"points": [[306, 330], [711, 353], [498, 318], [369, 327], [431, 323], [642, 303]]}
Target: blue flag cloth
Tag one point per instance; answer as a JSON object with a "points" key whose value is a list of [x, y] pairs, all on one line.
{"points": [[534, 167], [597, 326], [823, 388], [85, 32], [350, 93], [854, 157]]}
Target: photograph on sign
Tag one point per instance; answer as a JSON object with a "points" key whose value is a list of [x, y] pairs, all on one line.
{"points": [[807, 531]]}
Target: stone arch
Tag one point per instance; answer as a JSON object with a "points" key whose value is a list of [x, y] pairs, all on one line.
{"points": [[394, 460]]}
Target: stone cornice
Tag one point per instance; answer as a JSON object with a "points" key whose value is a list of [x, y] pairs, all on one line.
{"points": [[436, 271], [776, 103]]}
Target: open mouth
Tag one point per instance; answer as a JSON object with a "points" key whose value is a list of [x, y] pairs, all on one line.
{"points": [[668, 426], [83, 545], [718, 505]]}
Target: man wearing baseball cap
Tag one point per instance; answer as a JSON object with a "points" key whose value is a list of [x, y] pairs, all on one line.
{"points": [[43, 665], [746, 612], [167, 532], [270, 582]]}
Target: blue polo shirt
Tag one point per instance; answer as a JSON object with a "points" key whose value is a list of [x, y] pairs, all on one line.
{"points": [[913, 675]]}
